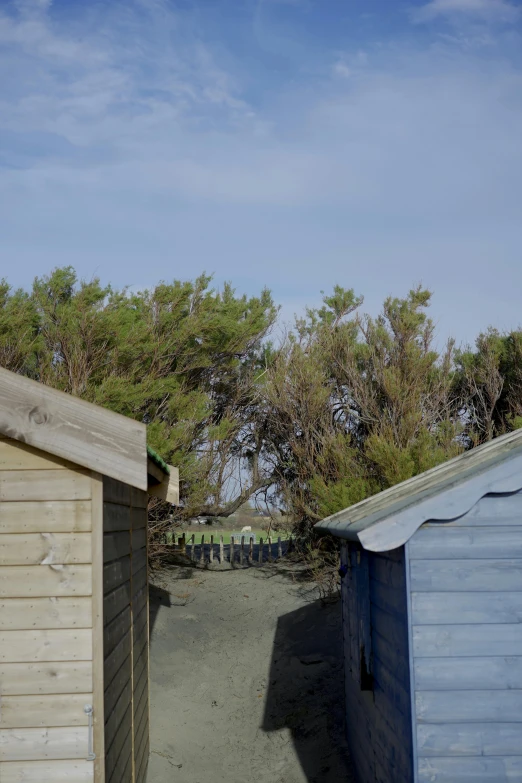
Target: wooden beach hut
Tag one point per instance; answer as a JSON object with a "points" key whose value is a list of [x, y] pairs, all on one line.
{"points": [[74, 484], [432, 615]]}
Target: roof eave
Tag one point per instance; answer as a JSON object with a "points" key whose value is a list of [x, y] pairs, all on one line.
{"points": [[394, 530]]}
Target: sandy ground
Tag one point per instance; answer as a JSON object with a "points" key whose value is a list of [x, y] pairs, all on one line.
{"points": [[246, 679]]}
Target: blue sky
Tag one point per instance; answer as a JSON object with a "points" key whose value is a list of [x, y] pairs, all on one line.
{"points": [[289, 143]]}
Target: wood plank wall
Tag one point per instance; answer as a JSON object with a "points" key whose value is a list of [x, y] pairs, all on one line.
{"points": [[46, 668], [466, 608], [375, 626], [125, 633]]}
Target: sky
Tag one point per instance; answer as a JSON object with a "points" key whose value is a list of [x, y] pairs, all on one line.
{"points": [[293, 144]]}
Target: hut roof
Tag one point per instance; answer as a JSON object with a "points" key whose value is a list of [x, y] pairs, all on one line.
{"points": [[389, 519], [78, 431]]}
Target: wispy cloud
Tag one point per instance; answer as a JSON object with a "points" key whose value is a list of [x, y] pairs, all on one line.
{"points": [[487, 10], [128, 133]]}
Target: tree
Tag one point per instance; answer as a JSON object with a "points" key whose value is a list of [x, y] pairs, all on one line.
{"points": [[489, 381], [358, 404], [181, 357]]}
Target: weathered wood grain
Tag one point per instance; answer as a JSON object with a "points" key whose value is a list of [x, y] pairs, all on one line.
{"points": [[50, 710], [139, 600], [473, 543], [50, 516], [118, 709], [139, 559], [138, 518], [119, 654], [116, 573], [46, 772], [116, 491], [117, 685], [466, 608], [139, 580], [45, 549], [482, 706], [469, 739], [116, 630], [139, 498], [505, 769], [142, 741], [73, 429], [141, 768], [33, 646], [466, 575], [116, 601], [139, 538], [15, 455], [48, 580], [31, 485], [34, 744], [17, 614], [116, 545], [126, 775], [42, 678], [116, 517], [494, 673], [122, 742], [466, 640]]}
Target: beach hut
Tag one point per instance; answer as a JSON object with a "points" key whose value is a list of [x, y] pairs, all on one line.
{"points": [[74, 483], [432, 615]]}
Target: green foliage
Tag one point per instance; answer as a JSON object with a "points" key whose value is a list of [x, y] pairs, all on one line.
{"points": [[181, 357], [345, 406], [359, 404]]}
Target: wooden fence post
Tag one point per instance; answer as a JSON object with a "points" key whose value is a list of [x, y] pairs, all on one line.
{"points": [[221, 550], [193, 547], [202, 553], [211, 553], [251, 550], [269, 549], [260, 552], [241, 550], [279, 549], [232, 550]]}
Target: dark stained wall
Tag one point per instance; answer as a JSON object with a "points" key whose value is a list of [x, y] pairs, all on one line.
{"points": [[125, 632], [377, 681]]}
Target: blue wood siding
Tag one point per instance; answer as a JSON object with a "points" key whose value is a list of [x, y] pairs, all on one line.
{"points": [[376, 630], [466, 613]]}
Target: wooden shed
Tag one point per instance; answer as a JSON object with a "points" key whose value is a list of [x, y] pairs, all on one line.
{"points": [[74, 484], [432, 614]]}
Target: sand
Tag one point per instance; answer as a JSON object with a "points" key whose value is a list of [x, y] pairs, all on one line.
{"points": [[246, 679]]}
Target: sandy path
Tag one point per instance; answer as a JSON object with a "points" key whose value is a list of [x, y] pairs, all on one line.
{"points": [[246, 680]]}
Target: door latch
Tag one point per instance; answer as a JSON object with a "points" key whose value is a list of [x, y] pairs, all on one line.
{"points": [[88, 710]]}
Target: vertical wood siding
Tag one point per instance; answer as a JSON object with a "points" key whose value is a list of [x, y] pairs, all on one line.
{"points": [[374, 602], [466, 610], [46, 667], [126, 633]]}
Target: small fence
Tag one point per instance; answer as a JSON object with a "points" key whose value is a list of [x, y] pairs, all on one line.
{"points": [[242, 551]]}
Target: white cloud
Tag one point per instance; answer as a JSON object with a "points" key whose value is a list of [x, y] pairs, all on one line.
{"points": [[487, 10], [127, 136]]}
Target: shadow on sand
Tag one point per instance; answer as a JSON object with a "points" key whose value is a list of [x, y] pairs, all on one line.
{"points": [[306, 690], [160, 597]]}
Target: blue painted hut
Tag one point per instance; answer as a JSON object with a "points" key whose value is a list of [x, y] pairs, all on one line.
{"points": [[432, 617]]}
